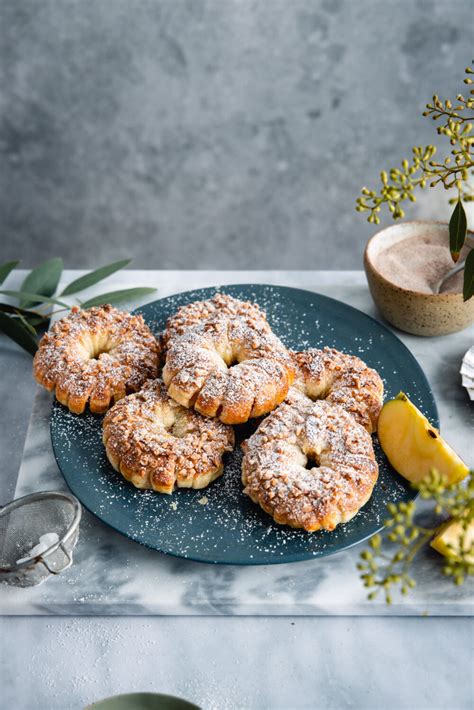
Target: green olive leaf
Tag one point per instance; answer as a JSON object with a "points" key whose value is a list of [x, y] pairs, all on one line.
{"points": [[16, 310], [33, 297], [38, 320], [457, 230], [468, 286], [42, 280], [94, 277], [17, 332], [117, 296], [27, 324], [6, 268]]}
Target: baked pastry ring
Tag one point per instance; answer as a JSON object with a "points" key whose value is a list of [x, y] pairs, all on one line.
{"points": [[219, 305], [224, 360], [309, 464], [341, 379], [156, 443], [96, 356]]}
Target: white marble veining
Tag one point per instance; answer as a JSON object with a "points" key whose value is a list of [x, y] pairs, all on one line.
{"points": [[112, 575]]}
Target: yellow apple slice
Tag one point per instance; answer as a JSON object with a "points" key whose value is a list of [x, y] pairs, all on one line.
{"points": [[413, 446], [450, 535]]}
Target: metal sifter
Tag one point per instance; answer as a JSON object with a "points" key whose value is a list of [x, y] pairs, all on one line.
{"points": [[37, 536]]}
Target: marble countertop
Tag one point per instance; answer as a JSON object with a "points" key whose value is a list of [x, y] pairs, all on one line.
{"points": [[72, 661]]}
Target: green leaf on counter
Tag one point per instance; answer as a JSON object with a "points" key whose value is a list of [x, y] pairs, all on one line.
{"points": [[8, 308], [94, 277], [33, 297], [26, 324], [6, 268], [468, 286], [457, 230], [42, 280], [117, 296], [17, 332], [38, 320]]}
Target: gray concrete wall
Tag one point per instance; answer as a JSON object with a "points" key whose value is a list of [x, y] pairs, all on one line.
{"points": [[212, 133]]}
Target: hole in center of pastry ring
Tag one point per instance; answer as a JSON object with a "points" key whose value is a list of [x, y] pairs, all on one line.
{"points": [[234, 359], [175, 422], [156, 443], [312, 461], [97, 345]]}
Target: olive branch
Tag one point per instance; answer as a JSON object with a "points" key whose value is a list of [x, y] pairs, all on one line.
{"points": [[382, 571], [399, 185], [24, 321]]}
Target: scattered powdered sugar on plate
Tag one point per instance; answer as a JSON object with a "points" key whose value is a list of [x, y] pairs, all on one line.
{"points": [[229, 528]]}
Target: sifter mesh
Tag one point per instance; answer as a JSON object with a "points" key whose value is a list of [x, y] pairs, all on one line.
{"points": [[23, 522], [22, 528]]}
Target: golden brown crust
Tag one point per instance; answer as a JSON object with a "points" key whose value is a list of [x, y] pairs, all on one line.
{"points": [[96, 357], [156, 443], [309, 464], [223, 359], [341, 379]]}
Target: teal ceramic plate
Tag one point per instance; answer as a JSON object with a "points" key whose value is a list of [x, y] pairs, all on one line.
{"points": [[143, 701], [220, 524]]}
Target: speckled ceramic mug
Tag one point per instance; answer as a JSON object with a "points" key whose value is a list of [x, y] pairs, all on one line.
{"points": [[413, 311]]}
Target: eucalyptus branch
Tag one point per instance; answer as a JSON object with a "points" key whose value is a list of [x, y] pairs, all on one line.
{"points": [[382, 571], [399, 185]]}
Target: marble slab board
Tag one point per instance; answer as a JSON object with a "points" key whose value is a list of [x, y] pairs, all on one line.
{"points": [[112, 575]]}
